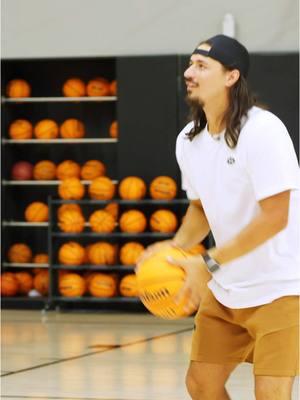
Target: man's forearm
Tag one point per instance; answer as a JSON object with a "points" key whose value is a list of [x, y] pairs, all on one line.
{"points": [[193, 229], [261, 229]]}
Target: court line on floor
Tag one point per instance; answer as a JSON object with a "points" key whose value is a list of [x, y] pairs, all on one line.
{"points": [[59, 398], [103, 350]]}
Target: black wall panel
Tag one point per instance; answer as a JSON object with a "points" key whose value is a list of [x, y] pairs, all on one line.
{"points": [[147, 115]]}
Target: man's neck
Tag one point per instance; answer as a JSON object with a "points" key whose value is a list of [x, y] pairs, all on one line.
{"points": [[215, 113]]}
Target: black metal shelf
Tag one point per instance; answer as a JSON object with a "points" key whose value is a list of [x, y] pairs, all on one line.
{"points": [[125, 202], [91, 267], [155, 235]]}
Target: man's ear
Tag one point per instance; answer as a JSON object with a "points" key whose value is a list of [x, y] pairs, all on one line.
{"points": [[232, 77]]}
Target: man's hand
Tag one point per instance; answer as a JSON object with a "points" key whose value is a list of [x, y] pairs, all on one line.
{"points": [[196, 279], [153, 249]]}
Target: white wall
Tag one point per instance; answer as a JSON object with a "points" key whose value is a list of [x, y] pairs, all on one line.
{"points": [[59, 28]]}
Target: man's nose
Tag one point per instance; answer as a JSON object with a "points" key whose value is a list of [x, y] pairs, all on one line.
{"points": [[188, 73]]}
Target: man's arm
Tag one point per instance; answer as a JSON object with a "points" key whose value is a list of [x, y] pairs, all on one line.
{"points": [[272, 219], [194, 227]]}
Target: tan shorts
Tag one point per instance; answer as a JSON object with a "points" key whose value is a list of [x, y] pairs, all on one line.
{"points": [[267, 335]]}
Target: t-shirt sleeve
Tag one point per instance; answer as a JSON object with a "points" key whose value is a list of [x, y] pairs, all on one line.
{"points": [[271, 159], [185, 183]]}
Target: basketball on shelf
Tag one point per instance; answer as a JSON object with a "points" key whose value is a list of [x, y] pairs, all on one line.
{"points": [[37, 212], [159, 282], [72, 129], [113, 130], [19, 253], [164, 221], [128, 286], [41, 258], [71, 221], [113, 209], [25, 282], [41, 282], [113, 88], [68, 169], [20, 129], [22, 171], [64, 207], [102, 285], [9, 284], [71, 253], [102, 253], [71, 285], [46, 129], [92, 169], [133, 221], [102, 221], [98, 87], [163, 188], [71, 189], [102, 188], [18, 88], [74, 87], [130, 252], [132, 188], [44, 170]]}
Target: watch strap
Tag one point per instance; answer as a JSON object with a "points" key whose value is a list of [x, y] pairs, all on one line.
{"points": [[211, 264]]}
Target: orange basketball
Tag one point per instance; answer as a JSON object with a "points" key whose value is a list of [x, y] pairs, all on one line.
{"points": [[46, 129], [102, 285], [133, 221], [98, 87], [19, 253], [198, 249], [92, 169], [18, 88], [113, 130], [102, 253], [113, 209], [71, 285], [25, 282], [163, 187], [102, 188], [128, 286], [132, 188], [159, 282], [102, 221], [44, 170], [65, 207], [9, 284], [71, 221], [72, 129], [71, 189], [71, 253], [74, 87], [113, 88], [41, 282], [68, 169], [164, 221], [37, 212], [41, 258], [20, 129], [22, 171], [130, 252]]}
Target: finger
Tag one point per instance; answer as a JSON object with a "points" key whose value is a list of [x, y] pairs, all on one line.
{"points": [[179, 263], [183, 294]]}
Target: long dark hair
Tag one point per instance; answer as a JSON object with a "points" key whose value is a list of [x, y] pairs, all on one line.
{"points": [[241, 100]]}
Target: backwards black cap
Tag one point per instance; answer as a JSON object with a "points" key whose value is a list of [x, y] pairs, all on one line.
{"points": [[227, 51]]}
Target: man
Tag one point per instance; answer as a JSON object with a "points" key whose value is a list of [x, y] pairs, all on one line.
{"points": [[241, 175]]}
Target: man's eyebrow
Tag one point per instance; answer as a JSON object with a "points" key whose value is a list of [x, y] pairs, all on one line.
{"points": [[199, 60]]}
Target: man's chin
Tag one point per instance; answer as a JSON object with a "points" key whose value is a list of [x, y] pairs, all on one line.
{"points": [[193, 100]]}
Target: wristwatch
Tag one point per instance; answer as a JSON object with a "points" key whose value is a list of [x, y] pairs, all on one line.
{"points": [[211, 264]]}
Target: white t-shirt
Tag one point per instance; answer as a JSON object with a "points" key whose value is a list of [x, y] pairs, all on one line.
{"points": [[229, 183]]}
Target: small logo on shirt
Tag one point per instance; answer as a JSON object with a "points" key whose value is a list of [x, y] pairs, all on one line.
{"points": [[230, 160]]}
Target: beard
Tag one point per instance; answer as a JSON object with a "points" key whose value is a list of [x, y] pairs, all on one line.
{"points": [[194, 102]]}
